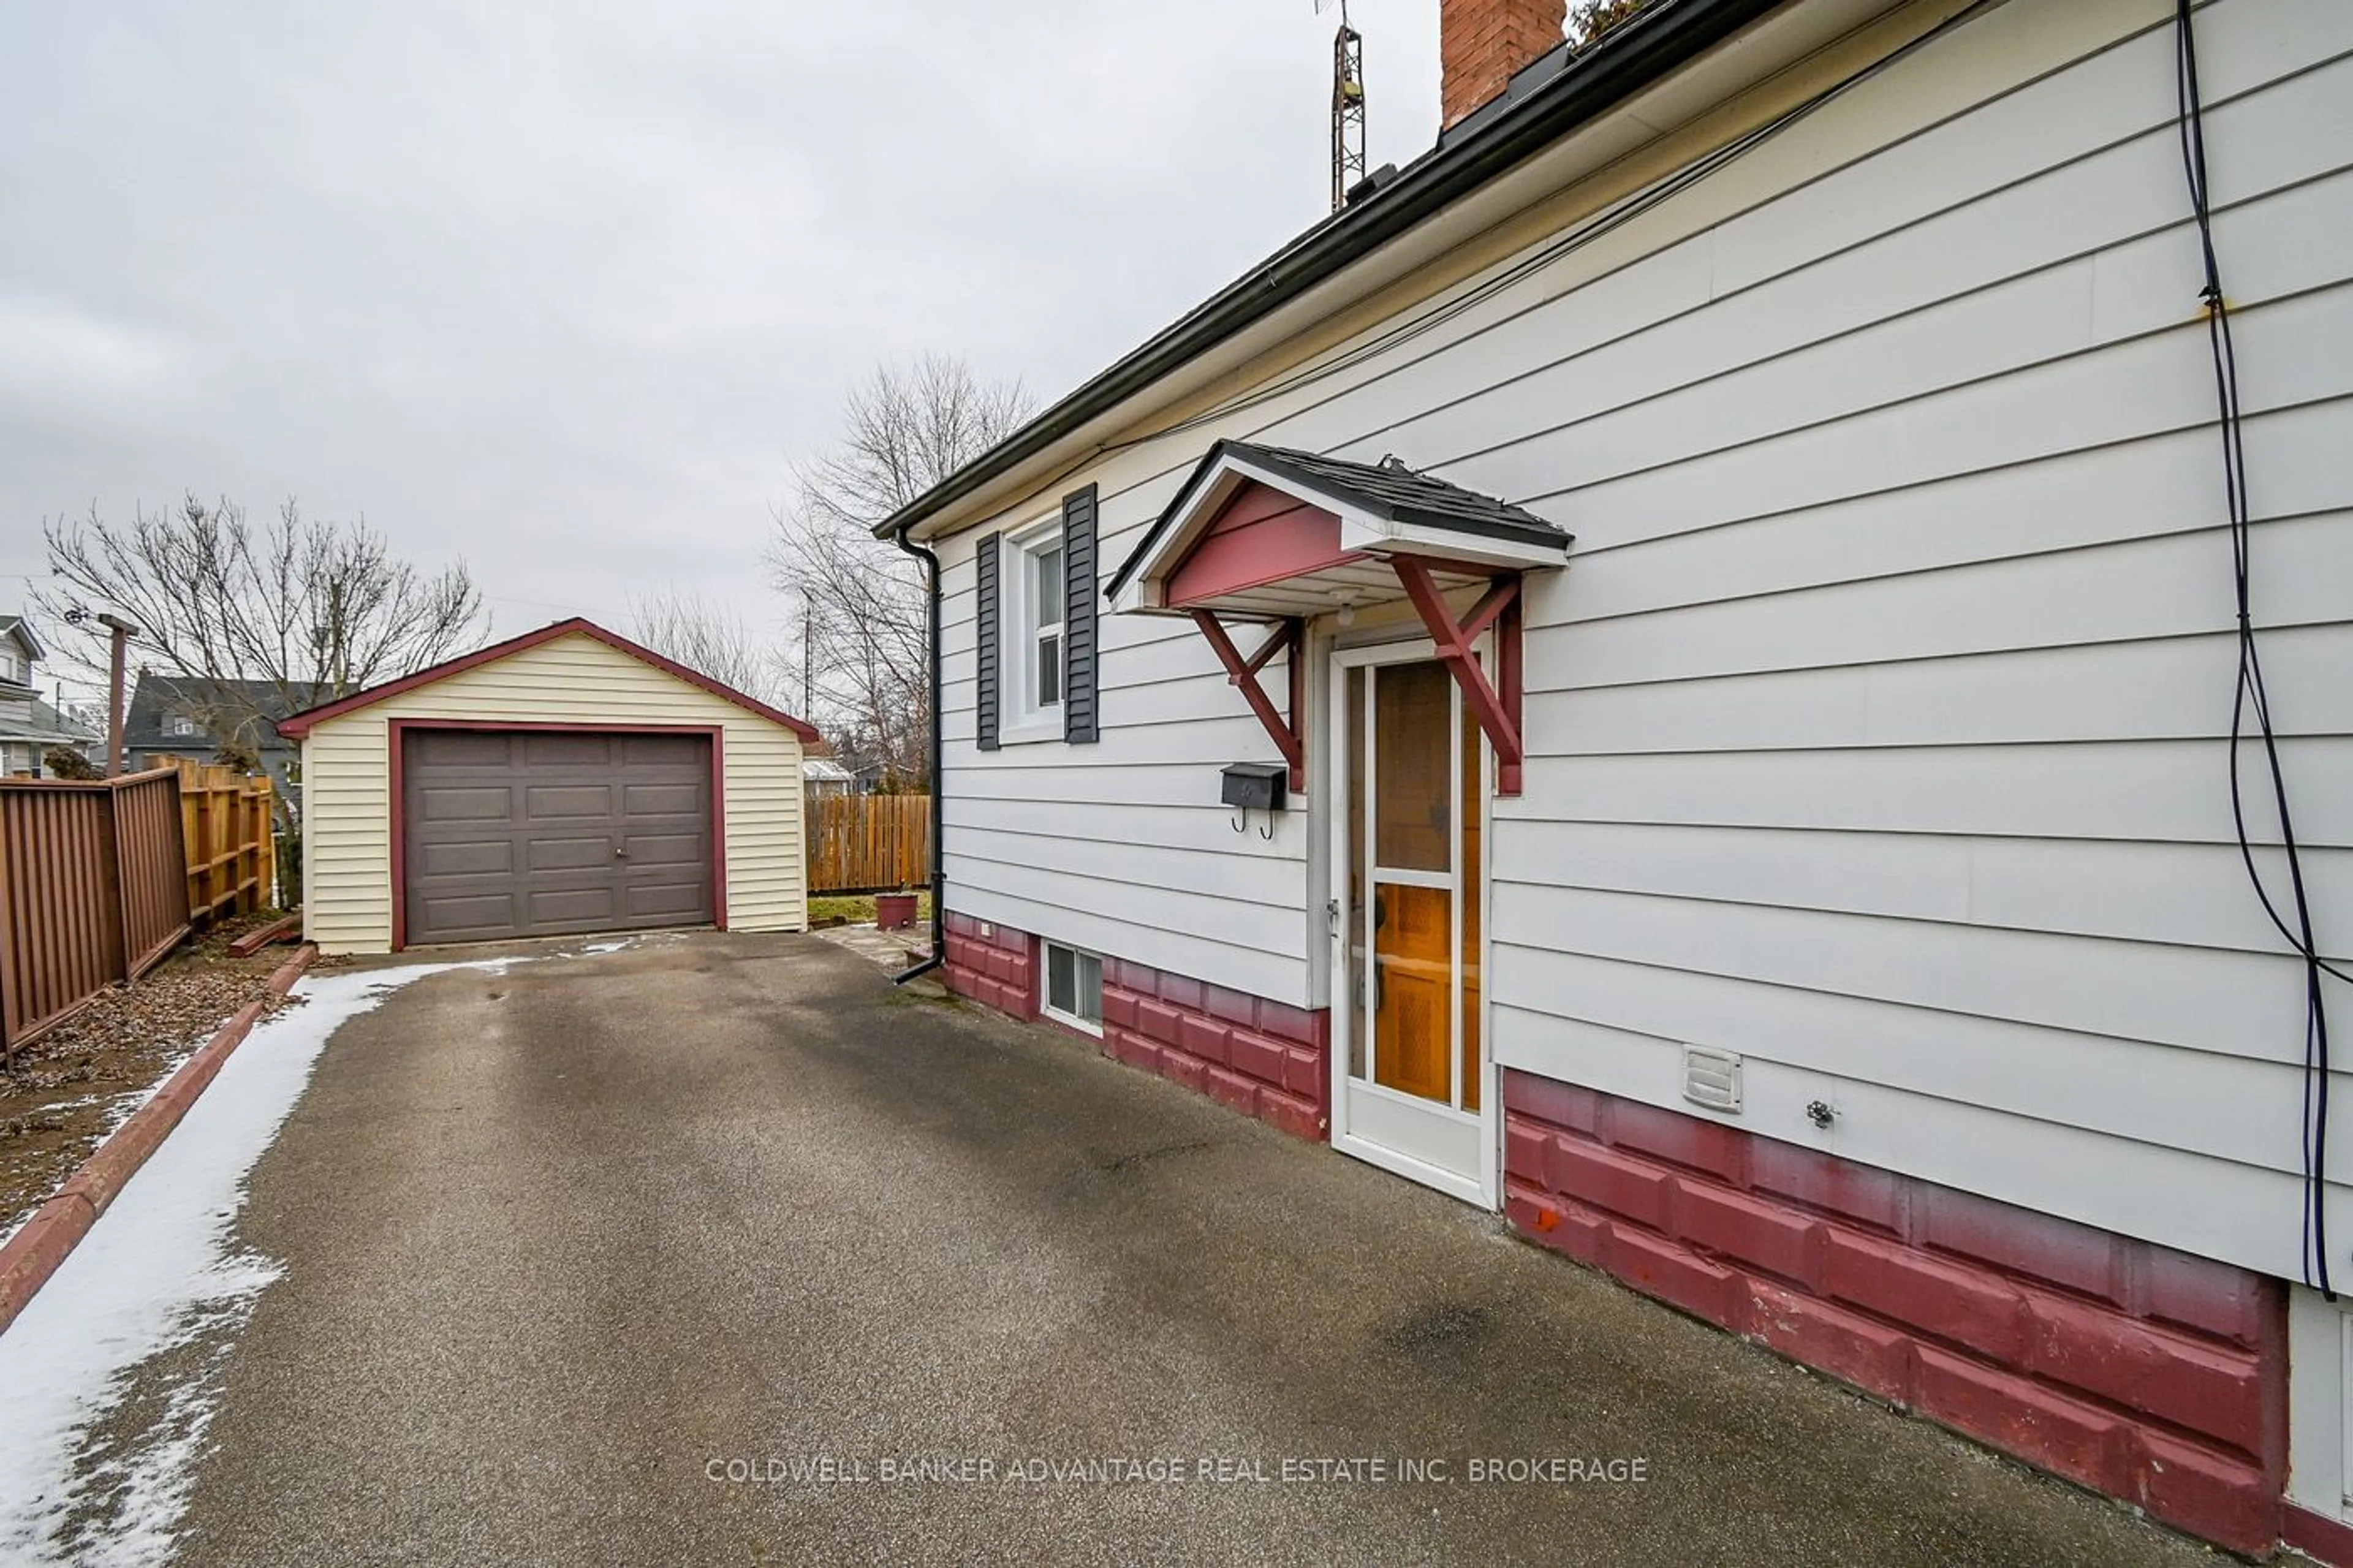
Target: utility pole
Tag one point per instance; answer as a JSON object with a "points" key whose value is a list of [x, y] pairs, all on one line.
{"points": [[120, 632]]}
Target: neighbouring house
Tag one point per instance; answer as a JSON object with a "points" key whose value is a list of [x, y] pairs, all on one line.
{"points": [[201, 717], [1669, 671], [563, 782], [29, 728], [824, 776]]}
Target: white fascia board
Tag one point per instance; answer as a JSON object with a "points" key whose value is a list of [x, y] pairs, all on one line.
{"points": [[1455, 544]]}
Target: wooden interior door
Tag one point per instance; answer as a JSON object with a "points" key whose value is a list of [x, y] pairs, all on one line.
{"points": [[1412, 872], [1413, 981]]}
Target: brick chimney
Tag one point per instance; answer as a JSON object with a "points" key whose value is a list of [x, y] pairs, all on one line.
{"points": [[1481, 42]]}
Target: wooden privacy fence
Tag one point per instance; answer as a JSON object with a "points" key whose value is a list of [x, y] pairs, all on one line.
{"points": [[860, 843], [99, 878], [225, 822], [93, 888]]}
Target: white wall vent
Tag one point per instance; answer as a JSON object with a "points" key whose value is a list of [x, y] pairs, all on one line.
{"points": [[1712, 1078]]}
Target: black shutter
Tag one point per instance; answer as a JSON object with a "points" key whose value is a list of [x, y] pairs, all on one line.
{"points": [[1079, 601], [987, 643]]}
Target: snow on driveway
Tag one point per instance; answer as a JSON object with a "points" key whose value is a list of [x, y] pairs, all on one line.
{"points": [[156, 1274]]}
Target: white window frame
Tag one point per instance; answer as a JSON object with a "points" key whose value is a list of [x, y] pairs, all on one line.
{"points": [[179, 726], [1026, 716], [1084, 1025]]}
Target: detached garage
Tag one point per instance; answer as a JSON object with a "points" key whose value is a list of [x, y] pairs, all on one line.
{"points": [[562, 782]]}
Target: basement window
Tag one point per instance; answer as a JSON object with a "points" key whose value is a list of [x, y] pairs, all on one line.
{"points": [[1074, 987]]}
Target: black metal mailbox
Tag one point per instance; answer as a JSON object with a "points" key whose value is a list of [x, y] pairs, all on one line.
{"points": [[1256, 787]]}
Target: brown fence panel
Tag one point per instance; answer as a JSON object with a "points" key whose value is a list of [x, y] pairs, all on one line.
{"points": [[151, 869], [92, 889], [858, 843]]}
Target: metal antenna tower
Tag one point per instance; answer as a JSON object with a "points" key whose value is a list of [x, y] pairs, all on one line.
{"points": [[1347, 108]]}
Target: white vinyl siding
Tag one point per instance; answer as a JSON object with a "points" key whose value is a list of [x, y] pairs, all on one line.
{"points": [[347, 790], [1875, 727]]}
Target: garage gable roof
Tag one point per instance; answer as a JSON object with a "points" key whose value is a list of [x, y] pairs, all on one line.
{"points": [[300, 724]]}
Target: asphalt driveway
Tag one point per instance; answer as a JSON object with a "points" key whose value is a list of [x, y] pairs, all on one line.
{"points": [[674, 1254]]}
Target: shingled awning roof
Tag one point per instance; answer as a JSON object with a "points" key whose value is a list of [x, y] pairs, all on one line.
{"points": [[1269, 533], [1266, 533]]}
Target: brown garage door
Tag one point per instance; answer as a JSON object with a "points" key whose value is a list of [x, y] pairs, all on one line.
{"points": [[546, 834]]}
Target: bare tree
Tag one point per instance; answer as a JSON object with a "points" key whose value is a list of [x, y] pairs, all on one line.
{"points": [[310, 610], [1590, 19], [858, 602], [710, 639]]}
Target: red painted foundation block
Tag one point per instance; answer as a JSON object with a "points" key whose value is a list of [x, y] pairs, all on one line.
{"points": [[1256, 1057], [1659, 1268], [1296, 1024], [1523, 1152], [1859, 1193], [1609, 1180], [1185, 995], [1121, 1045], [1299, 1118], [1230, 1006], [1231, 1090], [1572, 1232], [2200, 1388], [2151, 1376], [2021, 1416], [1762, 1235], [1178, 1067], [2019, 1241], [2211, 1297], [1263, 1058], [1964, 1306], [1678, 1140], [1200, 1036], [1870, 1355], [2223, 1499], [2325, 1540], [1160, 1022]]}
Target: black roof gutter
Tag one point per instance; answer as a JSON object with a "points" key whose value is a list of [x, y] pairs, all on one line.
{"points": [[1629, 58]]}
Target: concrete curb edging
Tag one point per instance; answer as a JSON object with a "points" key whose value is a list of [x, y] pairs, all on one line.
{"points": [[57, 1227]]}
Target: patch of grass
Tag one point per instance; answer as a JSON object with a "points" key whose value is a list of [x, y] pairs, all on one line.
{"points": [[856, 908]]}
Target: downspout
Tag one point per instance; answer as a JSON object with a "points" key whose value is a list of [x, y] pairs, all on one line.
{"points": [[939, 792]]}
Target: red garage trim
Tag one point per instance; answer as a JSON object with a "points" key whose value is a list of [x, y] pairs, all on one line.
{"points": [[399, 731], [300, 724]]}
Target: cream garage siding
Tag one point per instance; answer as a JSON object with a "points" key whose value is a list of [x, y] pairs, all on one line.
{"points": [[570, 679]]}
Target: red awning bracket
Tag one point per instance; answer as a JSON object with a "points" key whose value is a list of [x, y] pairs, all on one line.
{"points": [[1495, 704], [1283, 731]]}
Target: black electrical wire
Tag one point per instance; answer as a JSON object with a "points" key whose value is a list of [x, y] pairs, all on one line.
{"points": [[2250, 698]]}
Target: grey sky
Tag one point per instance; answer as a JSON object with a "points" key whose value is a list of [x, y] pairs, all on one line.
{"points": [[560, 286]]}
